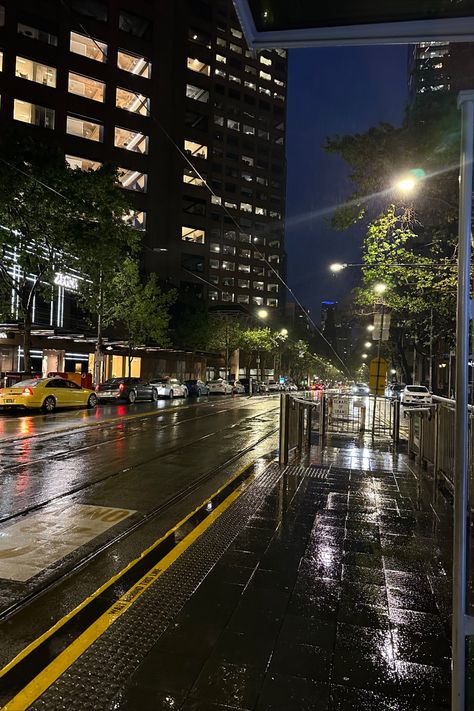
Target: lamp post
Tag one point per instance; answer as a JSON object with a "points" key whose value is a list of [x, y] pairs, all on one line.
{"points": [[379, 290]]}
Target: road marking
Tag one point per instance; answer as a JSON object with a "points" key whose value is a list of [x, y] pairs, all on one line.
{"points": [[40, 539], [24, 698]]}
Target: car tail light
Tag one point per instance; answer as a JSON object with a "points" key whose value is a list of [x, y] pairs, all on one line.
{"points": [[27, 391], [97, 388], [122, 387]]}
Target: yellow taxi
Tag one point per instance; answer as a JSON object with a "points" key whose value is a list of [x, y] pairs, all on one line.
{"points": [[46, 394]]}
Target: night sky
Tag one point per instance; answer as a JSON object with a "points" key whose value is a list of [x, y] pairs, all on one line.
{"points": [[331, 91]]}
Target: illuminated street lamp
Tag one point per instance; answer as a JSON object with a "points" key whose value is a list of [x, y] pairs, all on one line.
{"points": [[262, 313], [284, 332], [370, 327], [368, 344], [380, 288], [338, 267], [364, 355], [406, 185]]}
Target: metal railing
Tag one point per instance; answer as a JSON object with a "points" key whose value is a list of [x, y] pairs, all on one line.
{"points": [[299, 416]]}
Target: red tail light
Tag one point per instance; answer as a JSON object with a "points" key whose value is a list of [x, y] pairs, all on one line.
{"points": [[122, 387], [97, 388], [27, 391]]}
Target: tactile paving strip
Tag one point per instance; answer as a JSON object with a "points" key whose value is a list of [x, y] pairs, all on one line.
{"points": [[94, 681], [311, 472]]}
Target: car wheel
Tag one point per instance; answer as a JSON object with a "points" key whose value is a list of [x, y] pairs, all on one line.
{"points": [[171, 394], [49, 405], [131, 397], [92, 401], [154, 395]]}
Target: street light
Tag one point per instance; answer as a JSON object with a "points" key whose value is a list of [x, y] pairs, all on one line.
{"points": [[364, 355], [380, 288], [406, 185], [370, 327], [262, 313], [368, 344], [338, 267], [284, 332]]}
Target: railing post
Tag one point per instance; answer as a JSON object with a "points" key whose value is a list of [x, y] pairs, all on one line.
{"points": [[284, 427], [309, 411], [322, 418], [436, 453], [300, 426], [396, 422]]}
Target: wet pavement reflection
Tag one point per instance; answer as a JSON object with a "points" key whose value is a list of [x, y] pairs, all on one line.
{"points": [[335, 596]]}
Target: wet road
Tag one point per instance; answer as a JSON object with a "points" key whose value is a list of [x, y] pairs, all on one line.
{"points": [[72, 494]]}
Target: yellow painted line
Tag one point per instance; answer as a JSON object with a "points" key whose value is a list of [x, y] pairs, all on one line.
{"points": [[29, 694], [201, 527]]}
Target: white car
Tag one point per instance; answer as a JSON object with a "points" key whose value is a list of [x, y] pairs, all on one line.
{"points": [[274, 387], [219, 387], [415, 395], [238, 388], [169, 387]]}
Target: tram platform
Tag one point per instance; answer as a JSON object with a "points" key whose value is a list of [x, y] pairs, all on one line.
{"points": [[322, 585]]}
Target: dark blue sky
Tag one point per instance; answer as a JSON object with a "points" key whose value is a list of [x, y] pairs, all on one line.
{"points": [[331, 91]]}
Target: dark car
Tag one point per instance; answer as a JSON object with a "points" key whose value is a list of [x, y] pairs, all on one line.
{"points": [[196, 387], [128, 389]]}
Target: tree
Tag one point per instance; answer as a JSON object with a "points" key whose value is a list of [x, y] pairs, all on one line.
{"points": [[259, 342], [140, 308], [225, 334]]}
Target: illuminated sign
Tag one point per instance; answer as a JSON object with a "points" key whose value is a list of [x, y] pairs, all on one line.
{"points": [[68, 282]]}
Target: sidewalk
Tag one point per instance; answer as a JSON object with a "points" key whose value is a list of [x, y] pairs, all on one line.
{"points": [[334, 596]]}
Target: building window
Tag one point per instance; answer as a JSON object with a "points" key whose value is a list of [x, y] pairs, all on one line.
{"points": [[35, 71], [197, 150], [136, 219], [35, 33], [131, 140], [227, 296], [134, 64], [215, 247], [244, 237], [193, 234], [250, 70], [135, 25], [214, 263], [197, 93], [243, 284], [250, 85], [244, 268], [228, 282], [2, 15], [248, 130], [88, 47], [221, 42], [243, 298], [234, 125], [191, 177], [246, 207], [77, 126], [230, 235], [213, 295], [216, 200], [248, 161], [245, 253], [273, 288], [228, 249], [263, 90], [34, 114], [1, 61], [235, 48], [133, 102], [274, 259], [258, 285], [77, 163], [257, 300], [221, 58], [92, 8], [237, 80], [228, 266], [278, 82], [272, 302], [196, 65], [87, 87], [133, 180], [199, 37], [260, 211]]}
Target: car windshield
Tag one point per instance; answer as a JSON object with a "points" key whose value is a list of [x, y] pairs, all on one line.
{"points": [[116, 381], [29, 383], [417, 389], [360, 385]]}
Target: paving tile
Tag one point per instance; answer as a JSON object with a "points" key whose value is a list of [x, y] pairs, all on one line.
{"points": [[433, 650], [234, 685], [282, 692], [364, 658], [359, 574], [424, 683], [409, 599], [301, 660], [345, 698], [244, 649]]}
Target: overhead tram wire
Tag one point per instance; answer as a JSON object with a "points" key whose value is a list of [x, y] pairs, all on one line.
{"points": [[210, 190]]}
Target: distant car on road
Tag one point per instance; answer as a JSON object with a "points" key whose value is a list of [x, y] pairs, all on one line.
{"points": [[273, 386], [360, 389], [415, 395], [219, 387], [395, 390], [196, 387], [238, 388], [46, 394], [128, 389], [169, 387]]}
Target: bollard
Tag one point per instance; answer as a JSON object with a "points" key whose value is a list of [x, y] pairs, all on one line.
{"points": [[284, 426]]}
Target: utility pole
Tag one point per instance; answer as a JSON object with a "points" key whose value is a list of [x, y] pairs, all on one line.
{"points": [[430, 375], [378, 367]]}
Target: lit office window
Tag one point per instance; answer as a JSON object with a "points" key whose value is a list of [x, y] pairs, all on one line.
{"points": [[243, 284], [197, 150], [245, 207], [244, 268], [272, 302], [234, 125], [191, 177], [278, 82], [35, 71], [221, 42], [260, 211], [214, 263], [250, 85], [197, 93], [134, 63], [192, 234], [228, 249], [221, 58], [131, 101], [219, 73], [258, 285], [243, 298], [245, 253], [265, 60], [263, 90], [136, 219], [244, 237], [77, 126], [85, 86], [35, 33], [131, 140], [227, 296], [133, 180], [248, 130], [213, 295], [88, 47], [266, 76], [248, 161], [250, 70], [216, 200], [228, 266], [215, 247], [257, 300], [196, 65], [236, 33], [274, 259], [34, 114], [273, 288], [235, 48], [236, 80], [77, 163]]}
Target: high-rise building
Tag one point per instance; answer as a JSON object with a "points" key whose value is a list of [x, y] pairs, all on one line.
{"points": [[439, 68], [169, 93]]}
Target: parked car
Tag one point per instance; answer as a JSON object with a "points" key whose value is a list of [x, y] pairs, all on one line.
{"points": [[219, 386], [46, 394], [273, 386], [128, 389], [238, 388], [395, 390], [196, 387], [415, 395], [360, 389], [261, 387], [292, 388], [169, 387]]}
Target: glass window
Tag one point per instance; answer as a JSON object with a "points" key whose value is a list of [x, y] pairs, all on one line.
{"points": [[136, 219], [258, 285], [216, 200], [273, 287], [227, 296], [131, 140], [228, 249], [196, 65], [193, 234], [243, 283], [88, 47], [197, 93], [250, 85], [90, 8], [82, 163], [131, 101], [235, 48], [272, 302], [214, 263], [257, 300], [245, 207], [1, 61], [191, 177], [274, 258], [243, 252], [227, 281], [218, 72], [77, 126], [198, 150], [134, 63], [228, 266], [235, 125], [260, 211], [250, 70], [87, 87], [265, 75], [34, 71], [34, 114], [35, 33], [215, 247], [248, 130], [244, 237], [265, 60], [133, 180], [2, 15], [248, 161], [263, 90], [243, 298], [237, 80], [135, 25], [213, 295], [278, 82], [218, 120], [236, 33], [244, 268], [221, 58], [199, 37]]}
